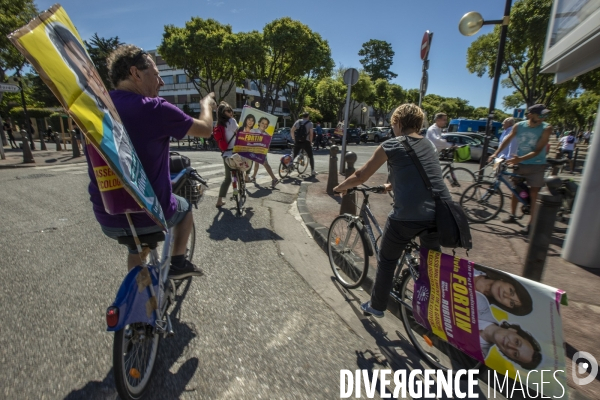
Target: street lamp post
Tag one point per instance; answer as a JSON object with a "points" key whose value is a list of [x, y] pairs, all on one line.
{"points": [[469, 25], [364, 110]]}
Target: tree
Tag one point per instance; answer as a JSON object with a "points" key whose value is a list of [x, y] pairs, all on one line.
{"points": [[377, 59], [206, 51], [13, 15], [40, 93], [290, 52], [330, 95], [99, 49], [388, 96], [523, 54]]}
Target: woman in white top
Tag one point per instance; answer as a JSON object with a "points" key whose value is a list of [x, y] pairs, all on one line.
{"points": [[225, 119]]}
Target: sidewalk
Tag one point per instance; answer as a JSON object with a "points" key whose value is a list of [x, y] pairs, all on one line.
{"points": [[14, 157], [495, 245]]}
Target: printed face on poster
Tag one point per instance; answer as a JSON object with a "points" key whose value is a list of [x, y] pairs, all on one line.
{"points": [[254, 134], [510, 323], [52, 45]]}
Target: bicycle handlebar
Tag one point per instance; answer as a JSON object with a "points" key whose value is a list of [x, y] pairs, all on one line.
{"points": [[365, 189]]}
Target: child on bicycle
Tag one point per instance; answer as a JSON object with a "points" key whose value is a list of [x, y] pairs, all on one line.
{"points": [[413, 213]]}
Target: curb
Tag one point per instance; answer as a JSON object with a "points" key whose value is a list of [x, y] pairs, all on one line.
{"points": [[29, 165], [320, 233]]}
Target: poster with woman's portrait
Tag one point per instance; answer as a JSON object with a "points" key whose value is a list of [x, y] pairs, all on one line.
{"points": [[52, 45], [254, 134], [510, 323]]}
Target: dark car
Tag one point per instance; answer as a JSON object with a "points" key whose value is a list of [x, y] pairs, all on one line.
{"points": [[279, 140], [353, 135]]}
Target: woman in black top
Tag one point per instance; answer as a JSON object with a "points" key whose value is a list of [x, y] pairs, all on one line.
{"points": [[413, 213]]}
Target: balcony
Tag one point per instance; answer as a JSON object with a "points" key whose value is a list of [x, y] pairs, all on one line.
{"points": [[178, 86], [164, 67]]}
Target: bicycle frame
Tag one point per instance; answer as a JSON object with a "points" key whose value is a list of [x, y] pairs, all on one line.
{"points": [[501, 178]]}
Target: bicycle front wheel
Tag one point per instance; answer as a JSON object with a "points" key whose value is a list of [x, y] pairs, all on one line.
{"points": [[457, 180], [134, 355], [302, 163], [284, 171], [436, 352], [482, 201], [348, 252]]}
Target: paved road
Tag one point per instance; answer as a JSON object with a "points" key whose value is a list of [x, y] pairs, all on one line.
{"points": [[252, 327]]}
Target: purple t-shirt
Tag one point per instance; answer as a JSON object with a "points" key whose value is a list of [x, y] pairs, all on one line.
{"points": [[150, 122]]}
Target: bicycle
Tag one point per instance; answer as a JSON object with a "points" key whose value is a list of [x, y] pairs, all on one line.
{"points": [[139, 316], [483, 201], [456, 179], [351, 242], [299, 164]]}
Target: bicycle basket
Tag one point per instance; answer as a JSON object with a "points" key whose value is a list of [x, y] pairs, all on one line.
{"points": [[192, 191]]}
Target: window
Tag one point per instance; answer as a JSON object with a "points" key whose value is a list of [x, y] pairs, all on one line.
{"points": [[181, 78], [253, 86], [168, 79]]}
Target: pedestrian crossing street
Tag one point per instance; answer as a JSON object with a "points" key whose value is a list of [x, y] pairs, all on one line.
{"points": [[212, 173]]}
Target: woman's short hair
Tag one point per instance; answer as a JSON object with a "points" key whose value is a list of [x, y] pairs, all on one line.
{"points": [[122, 59], [409, 115], [524, 297], [265, 119], [222, 118], [536, 358]]}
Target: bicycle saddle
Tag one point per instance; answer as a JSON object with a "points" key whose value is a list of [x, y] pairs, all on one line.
{"points": [[149, 240]]}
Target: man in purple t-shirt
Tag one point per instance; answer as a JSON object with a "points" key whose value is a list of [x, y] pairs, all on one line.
{"points": [[150, 121]]}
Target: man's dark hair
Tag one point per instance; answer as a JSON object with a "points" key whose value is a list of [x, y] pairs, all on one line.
{"points": [[264, 118], [122, 59], [439, 115], [304, 114], [536, 358]]}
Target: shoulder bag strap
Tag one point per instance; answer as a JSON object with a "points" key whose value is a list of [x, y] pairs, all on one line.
{"points": [[413, 156]]}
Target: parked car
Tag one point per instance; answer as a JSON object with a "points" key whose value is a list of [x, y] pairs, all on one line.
{"points": [[279, 140], [285, 132], [475, 144], [493, 143], [378, 134], [353, 135], [328, 134]]}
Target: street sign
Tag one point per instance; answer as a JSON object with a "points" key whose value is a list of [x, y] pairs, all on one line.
{"points": [[519, 113], [7, 87], [425, 43], [351, 76], [424, 81]]}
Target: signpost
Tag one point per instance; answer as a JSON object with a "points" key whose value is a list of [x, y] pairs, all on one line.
{"points": [[425, 46], [350, 78], [519, 113]]}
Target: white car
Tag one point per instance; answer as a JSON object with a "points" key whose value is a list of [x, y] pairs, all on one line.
{"points": [[475, 144]]}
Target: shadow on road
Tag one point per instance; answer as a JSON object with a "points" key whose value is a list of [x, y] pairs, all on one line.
{"points": [[226, 225]]}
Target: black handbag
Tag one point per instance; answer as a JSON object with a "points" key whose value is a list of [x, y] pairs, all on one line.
{"points": [[178, 162], [451, 220]]}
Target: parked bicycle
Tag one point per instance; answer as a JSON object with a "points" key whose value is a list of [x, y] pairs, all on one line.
{"points": [[288, 165], [455, 178], [139, 315], [351, 242]]}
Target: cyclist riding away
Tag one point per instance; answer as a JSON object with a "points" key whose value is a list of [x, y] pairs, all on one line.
{"points": [[150, 121], [302, 135], [413, 213]]}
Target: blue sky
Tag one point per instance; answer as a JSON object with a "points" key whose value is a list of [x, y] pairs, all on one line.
{"points": [[346, 25]]}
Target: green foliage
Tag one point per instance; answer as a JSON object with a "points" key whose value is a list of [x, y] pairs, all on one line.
{"points": [[40, 93], [207, 51], [330, 95], [315, 115], [17, 115], [387, 97], [13, 15], [11, 100], [377, 59], [99, 49]]}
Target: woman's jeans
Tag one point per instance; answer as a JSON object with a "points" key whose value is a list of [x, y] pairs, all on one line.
{"points": [[226, 181], [396, 236]]}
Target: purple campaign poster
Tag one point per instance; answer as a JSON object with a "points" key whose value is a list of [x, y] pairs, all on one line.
{"points": [[254, 134]]}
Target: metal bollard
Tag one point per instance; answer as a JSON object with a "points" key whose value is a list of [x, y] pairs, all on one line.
{"points": [[540, 236], [75, 145], [332, 179], [27, 154], [42, 141], [349, 200], [57, 141]]}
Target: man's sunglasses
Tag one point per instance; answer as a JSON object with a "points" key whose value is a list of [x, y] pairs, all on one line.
{"points": [[138, 57]]}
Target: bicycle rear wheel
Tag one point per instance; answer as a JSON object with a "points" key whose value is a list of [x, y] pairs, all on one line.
{"points": [[457, 180], [482, 201], [191, 244], [348, 252], [134, 355], [284, 171], [436, 352], [302, 163]]}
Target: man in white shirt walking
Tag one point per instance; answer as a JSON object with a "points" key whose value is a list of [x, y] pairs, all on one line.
{"points": [[434, 133]]}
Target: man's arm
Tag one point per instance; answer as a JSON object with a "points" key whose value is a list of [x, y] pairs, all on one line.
{"points": [[203, 126], [292, 132], [541, 144], [311, 135], [504, 143]]}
